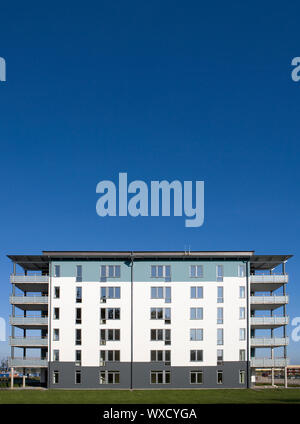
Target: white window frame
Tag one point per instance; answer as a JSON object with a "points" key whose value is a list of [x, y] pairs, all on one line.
{"points": [[242, 337], [106, 374], [242, 312], [196, 372], [242, 292], [220, 278], [197, 289], [164, 374], [241, 270], [196, 355], [164, 274], [197, 270], [196, 313], [116, 271], [197, 332], [243, 379]]}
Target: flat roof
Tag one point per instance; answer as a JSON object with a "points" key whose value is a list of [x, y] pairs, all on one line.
{"points": [[41, 262]]}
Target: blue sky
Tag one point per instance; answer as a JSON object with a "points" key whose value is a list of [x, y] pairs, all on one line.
{"points": [[160, 90]]}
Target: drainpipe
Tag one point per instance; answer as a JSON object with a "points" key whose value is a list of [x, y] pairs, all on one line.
{"points": [[248, 324], [131, 322], [49, 321]]}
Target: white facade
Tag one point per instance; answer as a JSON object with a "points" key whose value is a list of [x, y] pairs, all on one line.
{"points": [[172, 325]]}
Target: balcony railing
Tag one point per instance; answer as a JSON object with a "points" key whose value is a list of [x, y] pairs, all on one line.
{"points": [[28, 341], [29, 278], [269, 278], [28, 300], [28, 363], [268, 362], [32, 321], [265, 321], [269, 300], [269, 341]]}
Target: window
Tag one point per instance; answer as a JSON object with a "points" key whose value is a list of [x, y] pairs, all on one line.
{"points": [[196, 271], [242, 334], [56, 313], [78, 316], [242, 355], [196, 377], [78, 358], [196, 334], [56, 292], [78, 273], [220, 316], [160, 377], [56, 270], [55, 377], [110, 271], [160, 335], [77, 377], [55, 355], [161, 293], [219, 356], [110, 292], [242, 292], [112, 334], [220, 336], [161, 313], [78, 294], [196, 313], [220, 298], [109, 313], [196, 355], [160, 356], [242, 270], [242, 313], [161, 271], [242, 377], [109, 355], [78, 336], [196, 292], [220, 377], [109, 377], [55, 334], [220, 273]]}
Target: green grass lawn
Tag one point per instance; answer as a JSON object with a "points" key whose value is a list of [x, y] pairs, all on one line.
{"points": [[151, 396]]}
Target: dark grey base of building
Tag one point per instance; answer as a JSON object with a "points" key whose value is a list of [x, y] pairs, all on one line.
{"points": [[137, 376]]}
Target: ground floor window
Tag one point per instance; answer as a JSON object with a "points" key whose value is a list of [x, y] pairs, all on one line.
{"points": [[109, 377], [242, 377], [55, 377], [220, 377], [196, 377], [78, 377], [160, 377]]}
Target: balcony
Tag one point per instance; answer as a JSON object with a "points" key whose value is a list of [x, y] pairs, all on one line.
{"points": [[30, 303], [268, 302], [269, 341], [28, 363], [31, 283], [268, 322], [30, 342], [268, 362], [29, 322], [267, 282]]}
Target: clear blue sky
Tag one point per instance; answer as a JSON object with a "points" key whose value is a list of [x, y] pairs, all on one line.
{"points": [[161, 90]]}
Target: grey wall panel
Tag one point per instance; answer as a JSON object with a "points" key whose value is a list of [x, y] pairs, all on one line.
{"points": [[180, 376]]}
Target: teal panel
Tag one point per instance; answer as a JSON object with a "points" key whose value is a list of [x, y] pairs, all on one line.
{"points": [[91, 270], [180, 270]]}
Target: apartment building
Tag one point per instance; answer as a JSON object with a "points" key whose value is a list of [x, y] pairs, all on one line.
{"points": [[148, 319]]}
